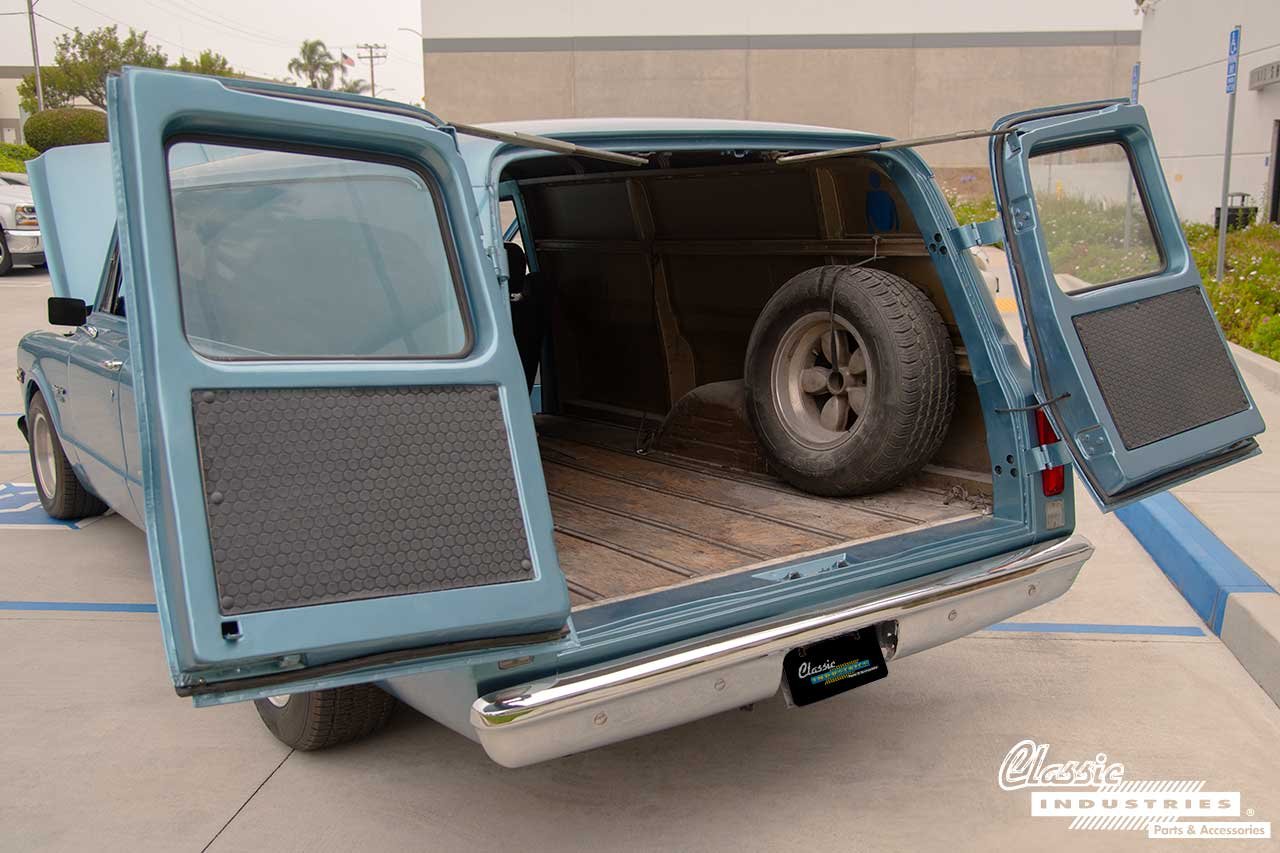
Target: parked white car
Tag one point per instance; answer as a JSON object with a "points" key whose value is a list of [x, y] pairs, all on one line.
{"points": [[20, 241]]}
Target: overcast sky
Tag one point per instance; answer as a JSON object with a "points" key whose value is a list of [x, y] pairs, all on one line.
{"points": [[258, 36]]}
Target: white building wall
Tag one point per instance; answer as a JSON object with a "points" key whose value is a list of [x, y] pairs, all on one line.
{"points": [[907, 68], [1183, 50], [11, 116]]}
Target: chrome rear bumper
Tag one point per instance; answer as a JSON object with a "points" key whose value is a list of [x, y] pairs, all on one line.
{"points": [[684, 682]]}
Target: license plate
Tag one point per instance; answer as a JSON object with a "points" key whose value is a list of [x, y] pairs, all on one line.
{"points": [[831, 667]]}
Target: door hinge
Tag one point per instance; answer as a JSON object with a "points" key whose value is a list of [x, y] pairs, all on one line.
{"points": [[1050, 456], [978, 234]]}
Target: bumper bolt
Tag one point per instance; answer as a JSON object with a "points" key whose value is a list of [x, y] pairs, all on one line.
{"points": [[601, 718], [951, 617], [719, 685]]}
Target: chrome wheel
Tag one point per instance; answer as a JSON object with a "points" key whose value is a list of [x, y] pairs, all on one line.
{"points": [[281, 700], [44, 453], [821, 380]]}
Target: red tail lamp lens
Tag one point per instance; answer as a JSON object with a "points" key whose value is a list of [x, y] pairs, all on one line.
{"points": [[1044, 429], [1052, 480]]}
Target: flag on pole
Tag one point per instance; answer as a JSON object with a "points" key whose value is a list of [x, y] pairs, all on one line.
{"points": [[346, 60]]}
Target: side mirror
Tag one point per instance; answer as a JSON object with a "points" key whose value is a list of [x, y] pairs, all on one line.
{"points": [[66, 311]]}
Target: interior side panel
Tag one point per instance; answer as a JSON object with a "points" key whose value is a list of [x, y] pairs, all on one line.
{"points": [[743, 205], [647, 271], [717, 299], [603, 322]]}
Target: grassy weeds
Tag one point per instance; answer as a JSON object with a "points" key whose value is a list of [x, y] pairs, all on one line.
{"points": [[1248, 298], [972, 209], [1085, 240]]}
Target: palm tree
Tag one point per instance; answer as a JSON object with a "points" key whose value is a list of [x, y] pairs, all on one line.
{"points": [[355, 85], [315, 64]]}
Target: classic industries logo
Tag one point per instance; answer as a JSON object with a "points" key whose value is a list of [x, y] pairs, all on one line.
{"points": [[1095, 795]]}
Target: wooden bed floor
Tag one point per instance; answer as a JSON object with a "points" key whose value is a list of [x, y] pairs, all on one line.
{"points": [[627, 523]]}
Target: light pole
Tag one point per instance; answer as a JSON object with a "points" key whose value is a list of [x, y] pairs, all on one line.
{"points": [[422, 50], [35, 54]]}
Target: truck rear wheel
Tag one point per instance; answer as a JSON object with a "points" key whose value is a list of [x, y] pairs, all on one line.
{"points": [[324, 718], [850, 380]]}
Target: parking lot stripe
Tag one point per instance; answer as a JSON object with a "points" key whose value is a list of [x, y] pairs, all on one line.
{"points": [[92, 606], [1086, 628]]}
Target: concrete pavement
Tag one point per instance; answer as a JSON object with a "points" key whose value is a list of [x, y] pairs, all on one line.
{"points": [[99, 752], [1241, 505], [1237, 505]]}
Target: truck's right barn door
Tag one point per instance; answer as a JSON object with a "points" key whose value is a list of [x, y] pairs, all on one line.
{"points": [[1128, 358]]}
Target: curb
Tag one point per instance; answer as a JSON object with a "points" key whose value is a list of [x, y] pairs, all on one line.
{"points": [[1236, 604], [1200, 564]]}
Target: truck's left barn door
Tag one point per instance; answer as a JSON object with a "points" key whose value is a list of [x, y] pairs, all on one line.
{"points": [[341, 475]]}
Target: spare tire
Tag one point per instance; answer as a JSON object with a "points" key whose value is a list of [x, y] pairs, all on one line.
{"points": [[850, 380]]}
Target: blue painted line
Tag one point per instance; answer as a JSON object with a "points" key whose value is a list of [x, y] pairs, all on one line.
{"points": [[79, 606], [1085, 628], [10, 414], [1200, 564], [15, 452]]}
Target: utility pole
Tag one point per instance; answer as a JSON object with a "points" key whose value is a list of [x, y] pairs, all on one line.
{"points": [[371, 52], [35, 53], [1233, 60]]}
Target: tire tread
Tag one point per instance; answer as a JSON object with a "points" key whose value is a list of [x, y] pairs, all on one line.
{"points": [[919, 345], [329, 717]]}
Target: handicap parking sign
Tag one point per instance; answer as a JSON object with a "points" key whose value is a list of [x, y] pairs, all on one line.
{"points": [[1233, 60], [20, 507]]}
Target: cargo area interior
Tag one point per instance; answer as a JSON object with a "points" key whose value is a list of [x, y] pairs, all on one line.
{"points": [[634, 294]]}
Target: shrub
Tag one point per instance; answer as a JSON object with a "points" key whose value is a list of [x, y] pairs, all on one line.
{"points": [[1247, 299], [67, 126], [13, 158]]}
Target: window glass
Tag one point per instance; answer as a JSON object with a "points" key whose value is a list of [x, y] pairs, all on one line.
{"points": [[283, 254], [507, 220], [112, 301], [1095, 226]]}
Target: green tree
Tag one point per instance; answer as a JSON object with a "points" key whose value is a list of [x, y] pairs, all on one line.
{"points": [[57, 91], [208, 62], [315, 65], [83, 61]]}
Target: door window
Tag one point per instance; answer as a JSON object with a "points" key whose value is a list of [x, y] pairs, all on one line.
{"points": [[284, 254], [1095, 223]]}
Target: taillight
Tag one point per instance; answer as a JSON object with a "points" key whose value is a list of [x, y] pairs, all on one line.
{"points": [[1052, 480]]}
